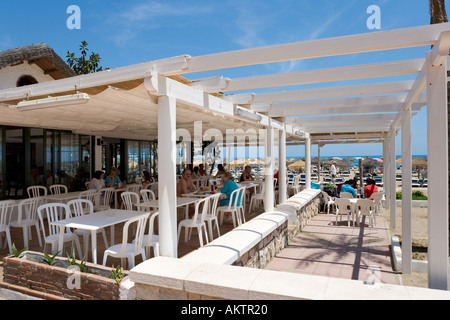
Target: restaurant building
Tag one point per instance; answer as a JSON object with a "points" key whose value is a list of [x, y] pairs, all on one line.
{"points": [[39, 155]]}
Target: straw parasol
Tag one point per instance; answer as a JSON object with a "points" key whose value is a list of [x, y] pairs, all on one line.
{"points": [[399, 160], [198, 162], [298, 164], [237, 162], [419, 162], [257, 162]]}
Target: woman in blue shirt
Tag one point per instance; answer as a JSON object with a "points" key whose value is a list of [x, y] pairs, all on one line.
{"points": [[228, 187], [112, 180]]}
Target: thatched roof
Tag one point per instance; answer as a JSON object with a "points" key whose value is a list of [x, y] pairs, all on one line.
{"points": [[40, 54]]}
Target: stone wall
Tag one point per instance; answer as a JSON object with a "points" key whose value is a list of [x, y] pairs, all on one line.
{"points": [[57, 281], [252, 245]]}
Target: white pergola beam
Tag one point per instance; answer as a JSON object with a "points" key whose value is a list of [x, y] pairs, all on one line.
{"points": [[351, 110], [375, 70], [343, 103], [369, 42], [322, 93]]}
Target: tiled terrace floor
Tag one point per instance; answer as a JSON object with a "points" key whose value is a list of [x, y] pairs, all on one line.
{"points": [[322, 248], [325, 248]]}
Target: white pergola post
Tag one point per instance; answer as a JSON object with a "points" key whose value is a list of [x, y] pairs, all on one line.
{"points": [[268, 169], [386, 167], [406, 193], [318, 164], [308, 162], [392, 182], [437, 131], [282, 187], [167, 188]]}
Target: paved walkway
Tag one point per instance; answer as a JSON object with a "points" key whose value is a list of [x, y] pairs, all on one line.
{"points": [[325, 248]]}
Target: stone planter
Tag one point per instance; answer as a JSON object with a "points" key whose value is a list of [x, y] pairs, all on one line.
{"points": [[59, 280]]}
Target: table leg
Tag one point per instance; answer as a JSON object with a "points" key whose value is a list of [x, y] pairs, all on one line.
{"points": [[62, 229], [112, 235], [94, 246]]}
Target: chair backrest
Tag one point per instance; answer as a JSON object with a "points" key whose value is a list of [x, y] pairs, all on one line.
{"points": [[202, 205], [240, 200], [326, 196], [377, 196], [345, 195], [213, 203], [140, 229], [58, 189], [133, 188], [105, 196], [147, 195], [36, 191], [88, 195], [342, 204], [79, 207], [151, 225], [130, 200], [6, 208], [50, 212], [28, 209], [365, 206]]}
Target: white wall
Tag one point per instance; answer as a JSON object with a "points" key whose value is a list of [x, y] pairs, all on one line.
{"points": [[10, 75]]}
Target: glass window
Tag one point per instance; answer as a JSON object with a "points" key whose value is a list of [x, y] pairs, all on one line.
{"points": [[70, 161], [133, 161]]}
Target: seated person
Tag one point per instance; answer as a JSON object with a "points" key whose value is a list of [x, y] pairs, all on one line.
{"points": [[247, 174], [228, 187], [147, 179], [195, 173], [370, 188], [97, 181], [220, 171], [112, 180], [201, 170], [185, 185], [346, 187]]}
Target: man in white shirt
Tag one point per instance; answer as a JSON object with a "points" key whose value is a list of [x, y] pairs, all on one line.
{"points": [[333, 172]]}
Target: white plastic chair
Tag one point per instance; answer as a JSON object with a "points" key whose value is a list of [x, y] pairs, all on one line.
{"points": [[50, 213], [90, 195], [127, 250], [151, 239], [6, 208], [36, 191], [27, 217], [366, 207], [211, 215], [328, 201], [237, 211], [80, 207], [130, 200], [345, 195], [197, 221], [133, 188], [147, 195], [343, 206], [258, 197], [103, 199], [58, 189], [378, 198], [294, 185]]}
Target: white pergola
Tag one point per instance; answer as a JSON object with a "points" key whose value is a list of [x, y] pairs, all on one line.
{"points": [[152, 101]]}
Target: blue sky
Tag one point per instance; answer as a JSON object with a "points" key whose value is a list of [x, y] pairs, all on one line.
{"points": [[128, 32]]}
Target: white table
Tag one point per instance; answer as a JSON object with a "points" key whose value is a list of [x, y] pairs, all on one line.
{"points": [[62, 197], [94, 222], [181, 201]]}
